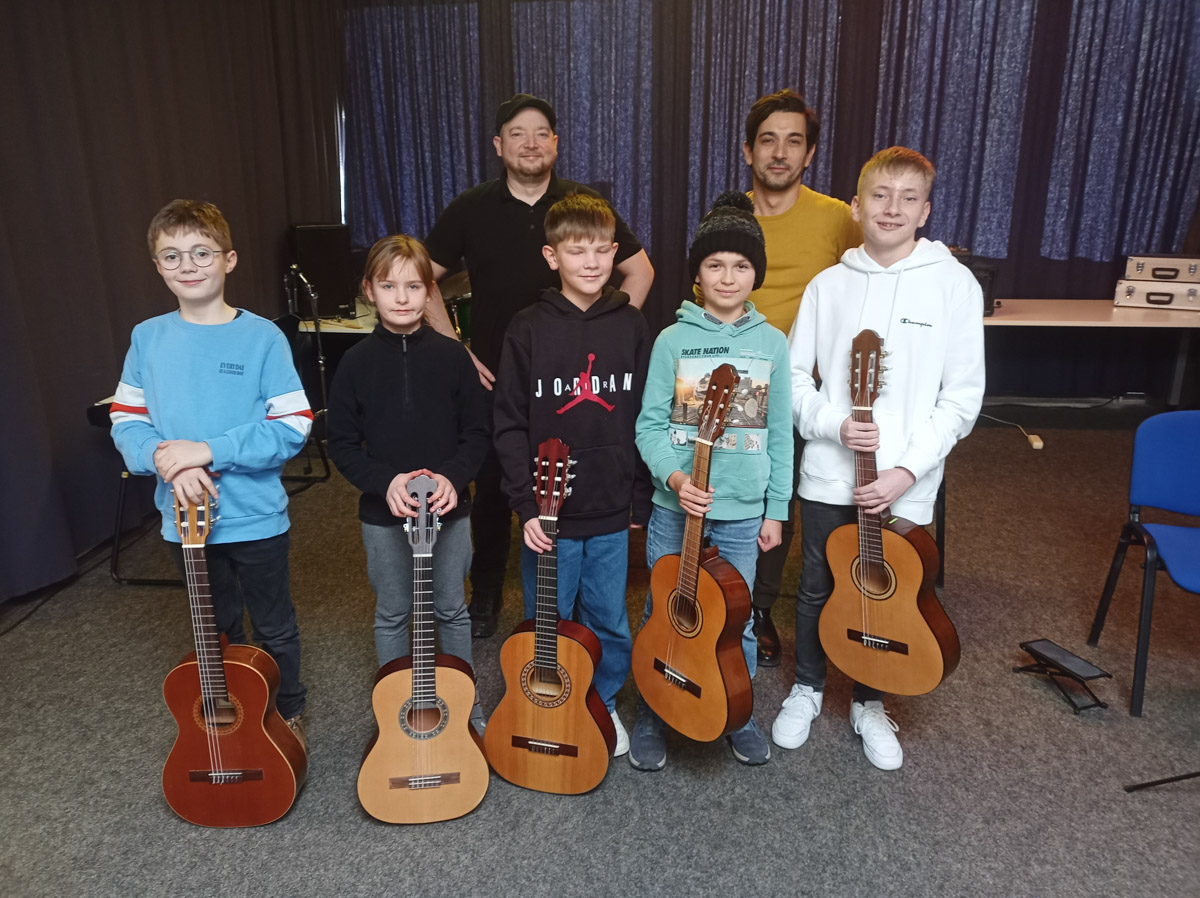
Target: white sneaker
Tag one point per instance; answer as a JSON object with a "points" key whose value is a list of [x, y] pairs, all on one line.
{"points": [[622, 736], [878, 732], [790, 729]]}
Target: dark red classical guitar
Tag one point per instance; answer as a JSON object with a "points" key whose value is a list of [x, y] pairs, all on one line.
{"points": [[235, 762], [425, 763], [551, 731], [687, 658], [883, 626]]}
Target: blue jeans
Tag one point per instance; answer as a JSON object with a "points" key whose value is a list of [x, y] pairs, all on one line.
{"points": [[390, 569], [738, 542], [817, 521], [254, 576], [594, 569]]}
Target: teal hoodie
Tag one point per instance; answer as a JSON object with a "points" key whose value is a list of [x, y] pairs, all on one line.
{"points": [[752, 461]]}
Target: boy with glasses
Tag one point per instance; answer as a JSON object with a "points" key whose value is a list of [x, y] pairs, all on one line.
{"points": [[210, 391]]}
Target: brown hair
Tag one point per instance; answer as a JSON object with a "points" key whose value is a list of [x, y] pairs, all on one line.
{"points": [[581, 216], [786, 100], [897, 161], [398, 248], [181, 216]]}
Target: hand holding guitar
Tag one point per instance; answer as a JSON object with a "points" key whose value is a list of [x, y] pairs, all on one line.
{"points": [[190, 485], [399, 501], [536, 538], [172, 456], [692, 499], [860, 436], [889, 486]]}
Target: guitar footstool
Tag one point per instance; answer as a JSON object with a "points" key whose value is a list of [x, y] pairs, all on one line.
{"points": [[1058, 664]]}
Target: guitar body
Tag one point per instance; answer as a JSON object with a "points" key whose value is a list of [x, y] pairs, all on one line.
{"points": [[423, 766], [551, 733], [691, 670], [264, 762], [901, 612]]}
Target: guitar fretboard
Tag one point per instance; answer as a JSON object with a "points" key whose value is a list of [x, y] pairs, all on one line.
{"points": [[424, 671], [213, 689], [870, 535], [693, 531], [545, 654]]}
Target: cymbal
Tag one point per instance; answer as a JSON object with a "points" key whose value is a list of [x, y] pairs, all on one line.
{"points": [[456, 284]]}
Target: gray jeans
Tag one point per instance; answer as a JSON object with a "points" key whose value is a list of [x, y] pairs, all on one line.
{"points": [[390, 569], [817, 521]]}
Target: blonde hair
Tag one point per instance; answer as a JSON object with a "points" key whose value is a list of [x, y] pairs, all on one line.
{"points": [[181, 216], [580, 216], [398, 248], [897, 161]]}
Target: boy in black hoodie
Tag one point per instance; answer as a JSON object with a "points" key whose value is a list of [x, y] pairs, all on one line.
{"points": [[407, 401], [573, 367]]}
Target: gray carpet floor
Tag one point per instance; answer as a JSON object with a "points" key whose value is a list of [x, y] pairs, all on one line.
{"points": [[1004, 791]]}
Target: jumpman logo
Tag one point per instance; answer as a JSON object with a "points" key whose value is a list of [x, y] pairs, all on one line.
{"points": [[583, 389]]}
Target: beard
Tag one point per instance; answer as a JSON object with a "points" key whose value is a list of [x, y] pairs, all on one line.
{"points": [[531, 167], [778, 180]]}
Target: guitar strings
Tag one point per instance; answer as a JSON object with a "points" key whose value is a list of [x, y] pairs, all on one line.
{"points": [[204, 660]]}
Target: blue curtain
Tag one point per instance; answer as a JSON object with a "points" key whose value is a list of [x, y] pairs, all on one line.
{"points": [[591, 60], [1126, 167], [741, 51], [952, 85], [415, 135]]}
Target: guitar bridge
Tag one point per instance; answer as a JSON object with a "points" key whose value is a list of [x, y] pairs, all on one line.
{"points": [[222, 777], [545, 746], [675, 678], [428, 781], [877, 642]]}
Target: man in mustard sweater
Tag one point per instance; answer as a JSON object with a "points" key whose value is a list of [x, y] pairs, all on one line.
{"points": [[806, 232]]}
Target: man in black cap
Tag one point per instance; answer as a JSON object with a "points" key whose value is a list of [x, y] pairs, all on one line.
{"points": [[498, 228]]}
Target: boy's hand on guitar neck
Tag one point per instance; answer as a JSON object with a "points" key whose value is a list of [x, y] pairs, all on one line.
{"points": [[535, 536], [442, 500], [877, 496], [190, 485], [859, 436], [692, 499]]}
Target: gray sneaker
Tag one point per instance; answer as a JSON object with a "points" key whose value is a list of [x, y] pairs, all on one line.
{"points": [[750, 745], [648, 744]]}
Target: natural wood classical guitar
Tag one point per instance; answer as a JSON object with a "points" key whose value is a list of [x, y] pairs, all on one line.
{"points": [[551, 731], [235, 762], [883, 625], [687, 658], [425, 762]]}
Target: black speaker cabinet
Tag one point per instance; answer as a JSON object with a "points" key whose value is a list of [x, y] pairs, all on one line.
{"points": [[985, 272], [322, 252]]}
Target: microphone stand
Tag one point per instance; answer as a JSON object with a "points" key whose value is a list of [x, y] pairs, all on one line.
{"points": [[316, 321]]}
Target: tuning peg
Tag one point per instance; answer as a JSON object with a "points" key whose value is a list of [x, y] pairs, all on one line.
{"points": [[570, 477], [569, 490], [571, 463]]}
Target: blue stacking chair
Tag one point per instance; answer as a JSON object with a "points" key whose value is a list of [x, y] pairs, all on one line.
{"points": [[1166, 475]]}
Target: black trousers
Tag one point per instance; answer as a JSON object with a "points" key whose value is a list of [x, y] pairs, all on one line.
{"points": [[491, 534]]}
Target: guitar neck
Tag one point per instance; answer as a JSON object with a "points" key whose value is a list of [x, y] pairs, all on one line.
{"points": [[693, 530], [870, 536], [424, 671], [546, 627], [213, 689]]}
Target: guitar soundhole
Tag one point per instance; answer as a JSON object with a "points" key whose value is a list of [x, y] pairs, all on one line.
{"points": [[879, 582], [544, 687], [225, 717], [685, 614], [423, 719]]}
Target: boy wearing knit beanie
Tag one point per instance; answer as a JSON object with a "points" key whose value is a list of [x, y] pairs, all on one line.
{"points": [[750, 476]]}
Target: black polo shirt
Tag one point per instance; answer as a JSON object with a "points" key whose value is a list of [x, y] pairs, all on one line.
{"points": [[501, 238]]}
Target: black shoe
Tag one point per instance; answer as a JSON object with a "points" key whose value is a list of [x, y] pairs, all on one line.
{"points": [[483, 627], [768, 638]]}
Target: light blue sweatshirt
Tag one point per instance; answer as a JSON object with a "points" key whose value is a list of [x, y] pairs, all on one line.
{"points": [[752, 460], [233, 386]]}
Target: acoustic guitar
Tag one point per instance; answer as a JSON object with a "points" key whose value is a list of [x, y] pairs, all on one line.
{"points": [[687, 658], [425, 761], [882, 625], [551, 732], [235, 762]]}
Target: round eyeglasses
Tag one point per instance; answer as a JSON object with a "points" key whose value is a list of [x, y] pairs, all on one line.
{"points": [[202, 257]]}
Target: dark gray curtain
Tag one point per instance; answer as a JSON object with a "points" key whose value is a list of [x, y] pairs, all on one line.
{"points": [[110, 110]]}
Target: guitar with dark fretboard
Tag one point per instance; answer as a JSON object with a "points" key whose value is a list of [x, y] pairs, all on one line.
{"points": [[235, 761], [425, 762], [551, 731], [687, 658], [883, 625]]}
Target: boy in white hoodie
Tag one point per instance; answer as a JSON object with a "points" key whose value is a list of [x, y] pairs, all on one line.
{"points": [[928, 309]]}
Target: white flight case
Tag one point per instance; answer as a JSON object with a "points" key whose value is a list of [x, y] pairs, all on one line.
{"points": [[1158, 295], [1163, 268]]}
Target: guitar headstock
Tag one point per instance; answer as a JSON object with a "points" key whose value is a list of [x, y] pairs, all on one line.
{"points": [[422, 530], [717, 402], [550, 477], [193, 522], [866, 353]]}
